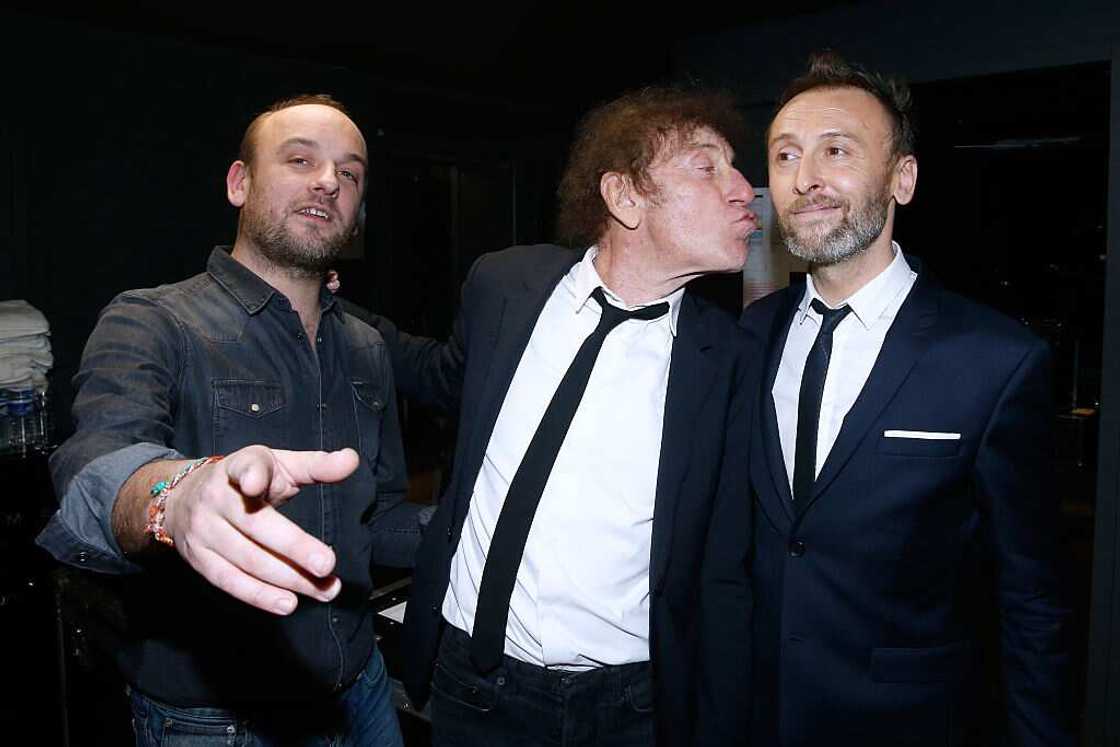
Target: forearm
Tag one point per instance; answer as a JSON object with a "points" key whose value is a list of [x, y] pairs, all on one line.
{"points": [[80, 533], [130, 510]]}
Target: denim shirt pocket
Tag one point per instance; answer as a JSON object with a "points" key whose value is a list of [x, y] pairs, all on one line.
{"points": [[248, 412], [369, 408]]}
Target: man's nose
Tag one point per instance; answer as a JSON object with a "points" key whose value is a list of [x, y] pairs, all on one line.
{"points": [[808, 178], [741, 190], [326, 180]]}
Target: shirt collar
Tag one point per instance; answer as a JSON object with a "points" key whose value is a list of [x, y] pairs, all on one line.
{"points": [[869, 302], [585, 279], [249, 289]]}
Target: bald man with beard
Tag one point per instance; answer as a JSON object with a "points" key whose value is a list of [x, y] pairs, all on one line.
{"points": [[237, 441]]}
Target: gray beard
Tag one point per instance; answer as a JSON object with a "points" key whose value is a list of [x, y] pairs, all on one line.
{"points": [[855, 233]]}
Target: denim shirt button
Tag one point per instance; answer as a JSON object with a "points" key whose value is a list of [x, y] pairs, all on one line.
{"points": [[83, 556]]}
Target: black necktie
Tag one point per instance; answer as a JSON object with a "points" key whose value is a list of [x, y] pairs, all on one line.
{"points": [[516, 517], [809, 401]]}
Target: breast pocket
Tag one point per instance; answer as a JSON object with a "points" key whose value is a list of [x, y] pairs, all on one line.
{"points": [[948, 663], [920, 444], [248, 412], [369, 408]]}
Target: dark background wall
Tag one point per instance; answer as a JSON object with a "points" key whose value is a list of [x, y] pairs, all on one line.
{"points": [[116, 145], [921, 41]]}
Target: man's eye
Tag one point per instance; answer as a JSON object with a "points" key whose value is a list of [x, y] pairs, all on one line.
{"points": [[297, 161], [834, 150], [346, 173], [784, 155]]}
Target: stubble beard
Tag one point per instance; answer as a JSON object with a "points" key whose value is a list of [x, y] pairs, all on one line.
{"points": [[309, 256], [857, 230]]}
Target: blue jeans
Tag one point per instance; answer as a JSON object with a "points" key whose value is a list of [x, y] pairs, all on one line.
{"points": [[360, 716], [522, 705]]}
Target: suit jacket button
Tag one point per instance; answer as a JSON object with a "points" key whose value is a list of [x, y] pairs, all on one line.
{"points": [[796, 549], [449, 534]]}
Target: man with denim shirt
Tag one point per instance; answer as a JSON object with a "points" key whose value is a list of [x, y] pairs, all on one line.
{"points": [[250, 357]]}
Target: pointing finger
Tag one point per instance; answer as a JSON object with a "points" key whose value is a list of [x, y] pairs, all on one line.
{"points": [[272, 568], [280, 535], [240, 585]]}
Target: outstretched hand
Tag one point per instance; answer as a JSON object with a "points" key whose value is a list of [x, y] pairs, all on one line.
{"points": [[224, 522]]}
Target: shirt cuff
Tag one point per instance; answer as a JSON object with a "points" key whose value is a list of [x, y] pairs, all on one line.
{"points": [[81, 533]]}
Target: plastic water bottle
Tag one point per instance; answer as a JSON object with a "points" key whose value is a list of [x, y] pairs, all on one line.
{"points": [[24, 421], [45, 425]]}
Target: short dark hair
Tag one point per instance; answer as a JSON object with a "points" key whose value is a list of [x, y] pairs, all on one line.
{"points": [[249, 140], [625, 136], [829, 70]]}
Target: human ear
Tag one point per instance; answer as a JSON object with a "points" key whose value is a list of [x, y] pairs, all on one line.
{"points": [[237, 183], [622, 200], [905, 179]]}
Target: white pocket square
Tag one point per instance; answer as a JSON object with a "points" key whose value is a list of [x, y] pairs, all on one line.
{"points": [[926, 435]]}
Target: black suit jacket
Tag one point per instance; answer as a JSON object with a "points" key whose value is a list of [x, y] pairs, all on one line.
{"points": [[865, 630], [700, 605]]}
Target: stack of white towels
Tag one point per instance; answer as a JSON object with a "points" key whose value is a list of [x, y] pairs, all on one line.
{"points": [[25, 346]]}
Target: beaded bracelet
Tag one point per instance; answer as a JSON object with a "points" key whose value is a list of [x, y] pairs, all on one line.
{"points": [[157, 509]]}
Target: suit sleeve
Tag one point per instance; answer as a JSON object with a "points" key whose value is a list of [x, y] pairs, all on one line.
{"points": [[724, 688], [1014, 480], [428, 371], [397, 524]]}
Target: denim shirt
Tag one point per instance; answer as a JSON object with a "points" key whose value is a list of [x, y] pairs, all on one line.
{"points": [[207, 366]]}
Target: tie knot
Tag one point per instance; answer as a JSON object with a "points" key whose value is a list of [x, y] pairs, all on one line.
{"points": [[612, 316], [829, 317]]}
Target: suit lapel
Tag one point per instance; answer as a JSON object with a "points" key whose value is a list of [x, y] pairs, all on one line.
{"points": [[905, 343], [691, 372], [505, 334], [778, 502]]}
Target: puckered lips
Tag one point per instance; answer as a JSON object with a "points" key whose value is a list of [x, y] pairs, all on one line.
{"points": [[748, 220]]}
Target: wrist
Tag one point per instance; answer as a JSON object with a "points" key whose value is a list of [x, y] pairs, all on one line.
{"points": [[160, 492]]}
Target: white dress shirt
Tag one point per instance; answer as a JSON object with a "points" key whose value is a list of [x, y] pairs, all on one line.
{"points": [[856, 343], [581, 598]]}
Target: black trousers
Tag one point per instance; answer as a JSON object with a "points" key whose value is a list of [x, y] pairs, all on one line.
{"points": [[523, 705]]}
